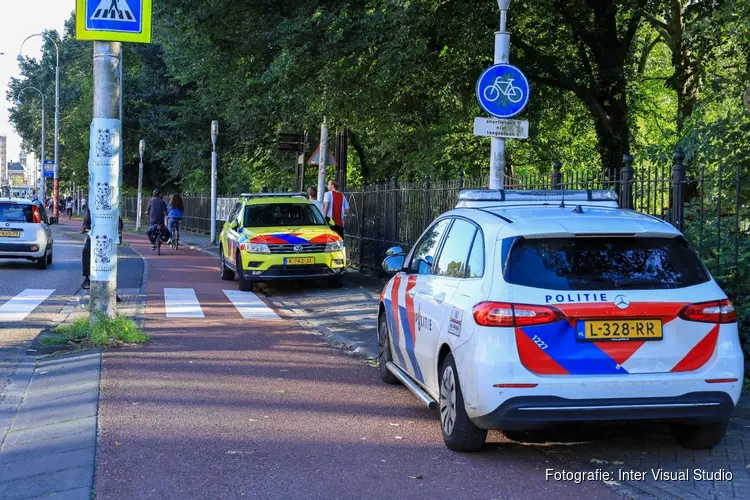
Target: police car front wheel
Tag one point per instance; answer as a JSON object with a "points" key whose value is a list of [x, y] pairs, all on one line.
{"points": [[459, 432], [384, 351]]}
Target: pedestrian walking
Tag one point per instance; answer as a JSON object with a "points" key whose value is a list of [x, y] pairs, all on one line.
{"points": [[312, 195], [69, 207], [335, 207]]}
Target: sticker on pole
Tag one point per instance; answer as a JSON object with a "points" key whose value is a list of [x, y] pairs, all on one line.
{"points": [[114, 20], [104, 197], [503, 91]]}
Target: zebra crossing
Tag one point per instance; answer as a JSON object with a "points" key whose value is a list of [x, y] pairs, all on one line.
{"points": [[178, 303], [19, 307], [184, 303]]}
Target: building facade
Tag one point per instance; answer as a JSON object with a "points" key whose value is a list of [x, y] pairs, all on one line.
{"points": [[4, 181]]}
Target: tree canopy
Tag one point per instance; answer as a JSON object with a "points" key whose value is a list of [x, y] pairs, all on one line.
{"points": [[609, 77]]}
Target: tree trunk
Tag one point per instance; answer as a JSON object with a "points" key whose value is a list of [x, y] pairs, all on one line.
{"points": [[364, 168], [612, 144]]}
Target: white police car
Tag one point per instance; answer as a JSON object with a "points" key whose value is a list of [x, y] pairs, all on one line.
{"points": [[518, 310]]}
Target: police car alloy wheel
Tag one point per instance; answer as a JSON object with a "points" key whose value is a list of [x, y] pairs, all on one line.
{"points": [[459, 432], [699, 437], [384, 351]]}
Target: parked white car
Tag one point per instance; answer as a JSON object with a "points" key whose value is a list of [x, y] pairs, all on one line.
{"points": [[25, 231], [520, 310]]}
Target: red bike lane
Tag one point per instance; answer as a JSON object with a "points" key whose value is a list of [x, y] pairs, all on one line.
{"points": [[226, 406]]}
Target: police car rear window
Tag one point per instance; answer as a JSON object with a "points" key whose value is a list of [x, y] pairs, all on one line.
{"points": [[603, 263], [283, 214], [16, 212]]}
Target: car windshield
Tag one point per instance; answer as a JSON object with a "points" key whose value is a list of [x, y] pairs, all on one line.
{"points": [[604, 264], [16, 212], [283, 214]]}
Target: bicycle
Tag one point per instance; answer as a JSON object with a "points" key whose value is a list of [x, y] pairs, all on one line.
{"points": [[159, 230], [503, 87], [174, 242]]}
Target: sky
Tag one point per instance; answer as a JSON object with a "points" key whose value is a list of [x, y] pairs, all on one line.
{"points": [[19, 19]]}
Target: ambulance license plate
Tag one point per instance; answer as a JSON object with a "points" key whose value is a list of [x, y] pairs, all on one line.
{"points": [[299, 260], [619, 329]]}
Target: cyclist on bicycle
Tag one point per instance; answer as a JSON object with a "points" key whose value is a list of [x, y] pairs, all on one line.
{"points": [[156, 212], [175, 211]]}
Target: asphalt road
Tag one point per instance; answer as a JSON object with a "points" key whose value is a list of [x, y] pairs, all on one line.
{"points": [[223, 406], [63, 275]]}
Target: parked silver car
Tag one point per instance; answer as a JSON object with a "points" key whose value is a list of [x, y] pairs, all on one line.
{"points": [[25, 231]]}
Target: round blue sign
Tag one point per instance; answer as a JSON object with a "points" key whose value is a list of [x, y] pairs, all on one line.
{"points": [[503, 91]]}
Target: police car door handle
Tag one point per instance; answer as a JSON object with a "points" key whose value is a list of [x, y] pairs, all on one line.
{"points": [[439, 298]]}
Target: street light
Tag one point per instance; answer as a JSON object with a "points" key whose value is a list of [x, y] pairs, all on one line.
{"points": [[56, 178], [18, 103], [141, 150], [214, 136]]}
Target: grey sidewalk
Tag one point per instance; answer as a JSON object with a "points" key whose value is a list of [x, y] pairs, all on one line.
{"points": [[50, 445]]}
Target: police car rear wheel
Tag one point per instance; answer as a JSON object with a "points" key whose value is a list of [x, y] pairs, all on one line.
{"points": [[459, 432], [699, 437], [384, 351], [226, 273]]}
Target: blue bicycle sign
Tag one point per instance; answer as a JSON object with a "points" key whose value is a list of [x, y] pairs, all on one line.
{"points": [[503, 91]]}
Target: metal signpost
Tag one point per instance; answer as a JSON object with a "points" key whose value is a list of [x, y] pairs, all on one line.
{"points": [[503, 92], [141, 150], [107, 23], [214, 159]]}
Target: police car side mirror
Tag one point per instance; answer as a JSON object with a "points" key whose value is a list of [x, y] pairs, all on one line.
{"points": [[394, 251], [394, 263]]}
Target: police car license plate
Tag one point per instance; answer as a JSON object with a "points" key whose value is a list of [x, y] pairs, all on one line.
{"points": [[299, 260], [626, 329], [9, 233]]}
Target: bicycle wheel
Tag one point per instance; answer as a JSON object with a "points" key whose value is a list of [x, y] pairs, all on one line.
{"points": [[491, 93], [515, 94]]}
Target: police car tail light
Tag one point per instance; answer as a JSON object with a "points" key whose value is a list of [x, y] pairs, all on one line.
{"points": [[518, 315], [716, 311]]}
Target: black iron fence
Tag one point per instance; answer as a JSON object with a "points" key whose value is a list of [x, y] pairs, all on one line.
{"points": [[710, 207]]}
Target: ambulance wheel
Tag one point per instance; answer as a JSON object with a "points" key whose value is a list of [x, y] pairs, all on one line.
{"points": [[699, 437], [459, 432], [226, 273], [337, 282], [384, 351], [245, 284]]}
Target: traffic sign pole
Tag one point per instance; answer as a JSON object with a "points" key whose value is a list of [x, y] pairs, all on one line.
{"points": [[322, 162], [103, 196], [502, 55]]}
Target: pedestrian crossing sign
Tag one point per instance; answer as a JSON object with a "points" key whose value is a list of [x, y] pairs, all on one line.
{"points": [[114, 20]]}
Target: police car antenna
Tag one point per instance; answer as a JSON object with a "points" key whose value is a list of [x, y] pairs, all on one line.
{"points": [[562, 203]]}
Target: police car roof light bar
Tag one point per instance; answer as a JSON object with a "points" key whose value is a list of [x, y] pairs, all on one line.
{"points": [[536, 195]]}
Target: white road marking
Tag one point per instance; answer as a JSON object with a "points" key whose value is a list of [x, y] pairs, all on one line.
{"points": [[182, 303], [249, 305], [20, 306]]}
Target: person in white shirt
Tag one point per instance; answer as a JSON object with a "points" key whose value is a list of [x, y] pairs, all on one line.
{"points": [[335, 207], [312, 195]]}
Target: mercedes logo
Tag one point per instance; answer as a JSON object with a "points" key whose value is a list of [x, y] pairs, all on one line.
{"points": [[298, 248], [622, 302]]}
